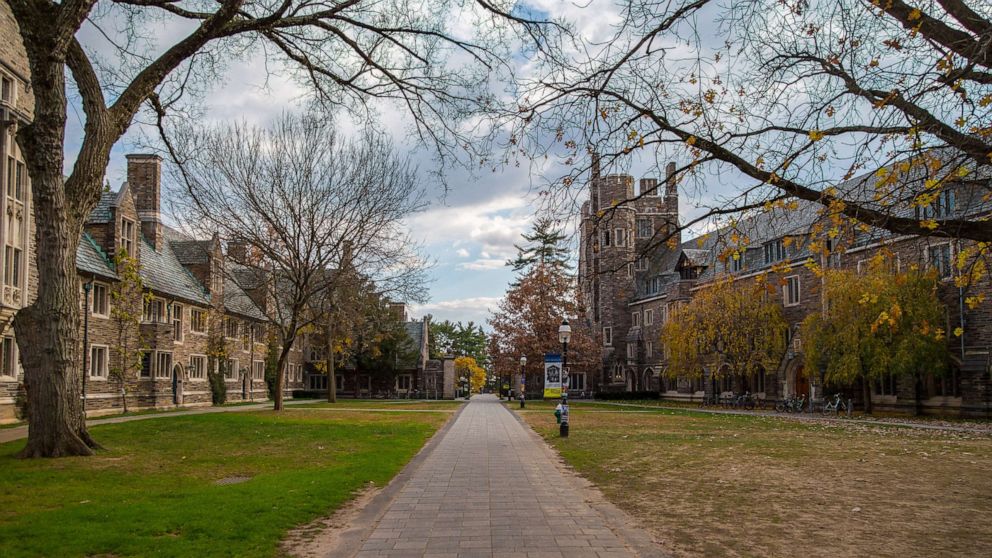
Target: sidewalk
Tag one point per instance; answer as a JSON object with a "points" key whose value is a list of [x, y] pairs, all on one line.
{"points": [[490, 487]]}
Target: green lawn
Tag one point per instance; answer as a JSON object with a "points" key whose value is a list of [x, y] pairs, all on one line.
{"points": [[731, 485], [387, 404], [153, 490]]}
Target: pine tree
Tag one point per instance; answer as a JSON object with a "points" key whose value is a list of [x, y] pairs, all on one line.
{"points": [[547, 245]]}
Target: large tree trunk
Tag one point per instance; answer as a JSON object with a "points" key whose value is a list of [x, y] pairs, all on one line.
{"points": [[281, 375], [48, 329], [866, 392]]}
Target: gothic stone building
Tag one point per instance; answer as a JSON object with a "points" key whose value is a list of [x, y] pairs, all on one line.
{"points": [[630, 290]]}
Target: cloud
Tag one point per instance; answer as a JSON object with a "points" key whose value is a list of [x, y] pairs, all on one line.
{"points": [[462, 253], [474, 309], [484, 264]]}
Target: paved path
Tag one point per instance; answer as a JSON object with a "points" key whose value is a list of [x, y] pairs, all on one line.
{"points": [[490, 487]]}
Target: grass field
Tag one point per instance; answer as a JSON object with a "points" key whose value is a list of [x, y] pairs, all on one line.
{"points": [[154, 490], [722, 485]]}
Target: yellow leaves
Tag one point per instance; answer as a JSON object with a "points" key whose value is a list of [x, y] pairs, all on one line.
{"points": [[834, 232], [760, 162], [985, 101], [691, 140], [961, 122], [973, 301], [929, 224], [815, 135], [958, 331], [915, 14]]}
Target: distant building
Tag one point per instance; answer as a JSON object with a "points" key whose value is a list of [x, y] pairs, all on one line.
{"points": [[630, 280]]}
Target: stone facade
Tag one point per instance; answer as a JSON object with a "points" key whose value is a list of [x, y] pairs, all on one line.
{"points": [[632, 290]]}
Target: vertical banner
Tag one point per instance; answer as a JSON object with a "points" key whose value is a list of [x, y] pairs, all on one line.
{"points": [[552, 375]]}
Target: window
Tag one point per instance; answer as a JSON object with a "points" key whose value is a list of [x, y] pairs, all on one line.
{"points": [[833, 254], [338, 382], [653, 285], [648, 349], [940, 259], [101, 303], [608, 336], [259, 372], [154, 311], [16, 176], [403, 382], [127, 236], [577, 381], [8, 367], [177, 323], [98, 361], [12, 267], [606, 238], [620, 237], [641, 264], [163, 364], [791, 290], [231, 373], [648, 316], [197, 321], [231, 326], [759, 381], [946, 385], [7, 90], [198, 367], [736, 262], [635, 319], [887, 385], [246, 332], [644, 228], [774, 251], [146, 365], [631, 351], [941, 207]]}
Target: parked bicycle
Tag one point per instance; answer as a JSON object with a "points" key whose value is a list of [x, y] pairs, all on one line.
{"points": [[791, 405], [710, 400], [836, 406], [745, 401]]}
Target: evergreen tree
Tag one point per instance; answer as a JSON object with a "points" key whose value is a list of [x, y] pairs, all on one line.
{"points": [[547, 245]]}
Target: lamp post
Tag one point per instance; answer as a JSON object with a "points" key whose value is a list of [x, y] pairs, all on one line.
{"points": [[564, 335], [523, 380]]}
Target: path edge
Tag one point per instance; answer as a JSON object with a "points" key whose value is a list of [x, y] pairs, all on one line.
{"points": [[638, 538], [352, 538]]}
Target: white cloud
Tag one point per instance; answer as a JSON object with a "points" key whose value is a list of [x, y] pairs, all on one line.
{"points": [[474, 309], [462, 253], [484, 264]]}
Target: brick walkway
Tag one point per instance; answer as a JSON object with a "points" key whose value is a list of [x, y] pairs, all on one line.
{"points": [[490, 487]]}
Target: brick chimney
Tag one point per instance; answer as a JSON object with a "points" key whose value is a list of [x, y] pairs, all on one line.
{"points": [[144, 177], [237, 250], [594, 170]]}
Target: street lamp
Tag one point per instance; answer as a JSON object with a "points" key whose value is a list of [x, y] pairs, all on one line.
{"points": [[523, 380], [564, 335]]}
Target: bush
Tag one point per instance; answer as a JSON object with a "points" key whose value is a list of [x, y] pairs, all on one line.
{"points": [[626, 395], [218, 387]]}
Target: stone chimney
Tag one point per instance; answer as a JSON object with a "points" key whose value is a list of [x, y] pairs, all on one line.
{"points": [[144, 177], [237, 250], [594, 170], [671, 189], [649, 186]]}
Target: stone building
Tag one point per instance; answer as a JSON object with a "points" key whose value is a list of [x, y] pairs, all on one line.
{"points": [[631, 287]]}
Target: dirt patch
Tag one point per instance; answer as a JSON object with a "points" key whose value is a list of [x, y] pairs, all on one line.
{"points": [[320, 538]]}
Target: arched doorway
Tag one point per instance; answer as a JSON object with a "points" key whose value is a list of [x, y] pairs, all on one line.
{"points": [[177, 384], [800, 382]]}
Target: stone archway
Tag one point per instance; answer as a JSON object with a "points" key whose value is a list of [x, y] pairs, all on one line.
{"points": [[796, 382]]}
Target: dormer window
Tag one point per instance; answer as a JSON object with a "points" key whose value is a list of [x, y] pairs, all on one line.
{"points": [[774, 251], [941, 207], [127, 236]]}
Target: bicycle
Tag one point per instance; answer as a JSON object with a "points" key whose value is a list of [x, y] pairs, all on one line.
{"points": [[745, 401], [836, 406]]}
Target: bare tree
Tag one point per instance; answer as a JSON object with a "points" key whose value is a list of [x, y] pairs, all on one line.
{"points": [[305, 202], [785, 99], [346, 51]]}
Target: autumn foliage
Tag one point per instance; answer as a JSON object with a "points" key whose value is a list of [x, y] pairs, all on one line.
{"points": [[730, 322]]}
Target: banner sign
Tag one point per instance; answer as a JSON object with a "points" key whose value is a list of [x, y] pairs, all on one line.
{"points": [[552, 375]]}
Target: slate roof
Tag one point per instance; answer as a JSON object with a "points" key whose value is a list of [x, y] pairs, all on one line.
{"points": [[91, 259], [237, 301], [162, 271], [101, 213], [190, 252]]}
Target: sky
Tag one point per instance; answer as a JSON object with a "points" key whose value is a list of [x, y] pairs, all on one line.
{"points": [[470, 227]]}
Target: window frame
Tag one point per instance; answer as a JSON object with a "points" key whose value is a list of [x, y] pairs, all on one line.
{"points": [[941, 276], [619, 237], [9, 361], [233, 370], [106, 300], [642, 231], [607, 336], [127, 236], [193, 312], [787, 291], [635, 319], [105, 373], [648, 316], [190, 370], [157, 368], [177, 319], [774, 249], [258, 370]]}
